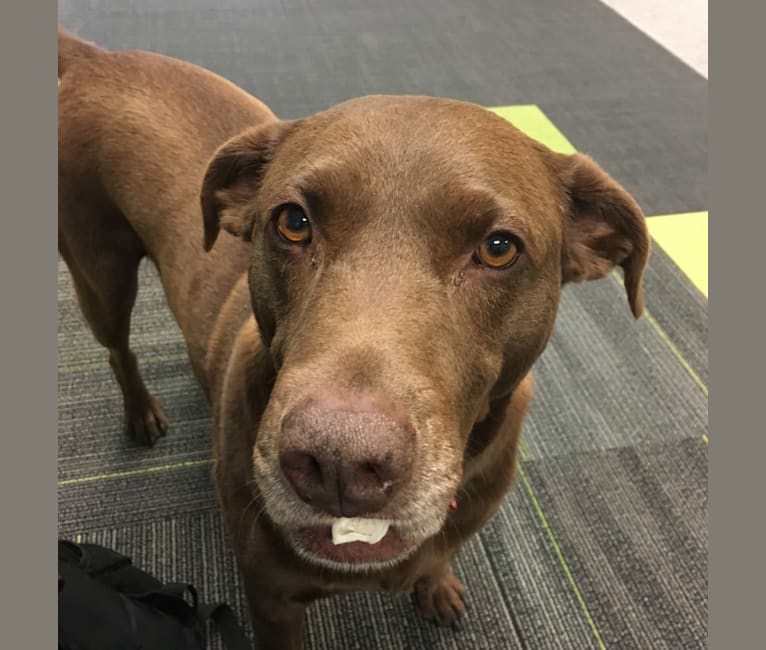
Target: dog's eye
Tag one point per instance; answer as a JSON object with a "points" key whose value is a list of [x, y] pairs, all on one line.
{"points": [[293, 225], [498, 251]]}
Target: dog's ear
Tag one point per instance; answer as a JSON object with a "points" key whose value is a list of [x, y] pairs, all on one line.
{"points": [[604, 227], [233, 177]]}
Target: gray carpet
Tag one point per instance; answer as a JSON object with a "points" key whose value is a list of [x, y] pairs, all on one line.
{"points": [[603, 541]]}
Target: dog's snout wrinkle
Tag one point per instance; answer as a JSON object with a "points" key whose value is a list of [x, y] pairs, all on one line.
{"points": [[342, 460]]}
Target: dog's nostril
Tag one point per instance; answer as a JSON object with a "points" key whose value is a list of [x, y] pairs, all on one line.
{"points": [[368, 476], [370, 468], [302, 470]]}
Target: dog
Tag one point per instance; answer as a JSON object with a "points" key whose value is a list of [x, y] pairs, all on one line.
{"points": [[364, 327]]}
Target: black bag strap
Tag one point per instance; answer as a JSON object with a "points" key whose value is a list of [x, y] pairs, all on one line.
{"points": [[223, 617], [171, 599]]}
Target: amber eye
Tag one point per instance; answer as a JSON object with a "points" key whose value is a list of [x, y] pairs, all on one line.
{"points": [[498, 251], [293, 225]]}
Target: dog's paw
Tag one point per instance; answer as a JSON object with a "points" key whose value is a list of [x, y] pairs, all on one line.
{"points": [[440, 598], [145, 422]]}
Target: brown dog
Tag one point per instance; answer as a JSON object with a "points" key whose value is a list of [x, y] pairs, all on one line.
{"points": [[366, 335]]}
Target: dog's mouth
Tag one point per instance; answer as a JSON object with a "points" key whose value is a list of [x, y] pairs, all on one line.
{"points": [[360, 544], [353, 542]]}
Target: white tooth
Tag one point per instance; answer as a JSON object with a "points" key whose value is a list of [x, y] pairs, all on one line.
{"points": [[358, 529]]}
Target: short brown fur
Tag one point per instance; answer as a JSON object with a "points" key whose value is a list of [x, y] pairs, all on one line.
{"points": [[156, 156]]}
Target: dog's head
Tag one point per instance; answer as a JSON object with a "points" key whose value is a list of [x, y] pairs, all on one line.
{"points": [[407, 259]]}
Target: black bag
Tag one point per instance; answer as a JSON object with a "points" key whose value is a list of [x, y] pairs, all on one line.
{"points": [[106, 603]]}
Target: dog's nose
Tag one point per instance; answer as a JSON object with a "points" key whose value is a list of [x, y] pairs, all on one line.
{"points": [[347, 458]]}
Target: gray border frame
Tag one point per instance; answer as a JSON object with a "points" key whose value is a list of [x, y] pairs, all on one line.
{"points": [[28, 342], [737, 528]]}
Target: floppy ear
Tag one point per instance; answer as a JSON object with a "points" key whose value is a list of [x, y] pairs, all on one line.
{"points": [[234, 176], [604, 227]]}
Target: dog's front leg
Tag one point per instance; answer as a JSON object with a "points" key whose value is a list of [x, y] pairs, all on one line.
{"points": [[440, 596], [276, 614], [277, 620]]}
